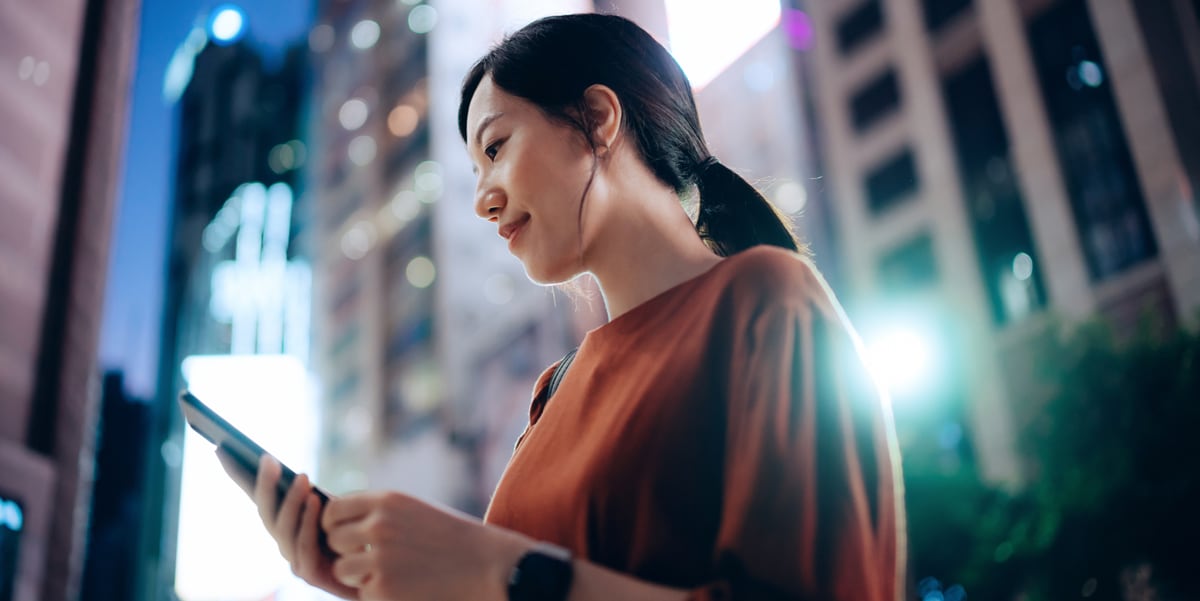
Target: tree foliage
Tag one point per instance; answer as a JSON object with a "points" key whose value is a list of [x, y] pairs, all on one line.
{"points": [[1110, 508]]}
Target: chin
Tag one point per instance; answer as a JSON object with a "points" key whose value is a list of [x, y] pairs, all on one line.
{"points": [[550, 273]]}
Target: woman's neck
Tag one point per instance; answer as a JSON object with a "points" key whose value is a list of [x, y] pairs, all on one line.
{"points": [[646, 247]]}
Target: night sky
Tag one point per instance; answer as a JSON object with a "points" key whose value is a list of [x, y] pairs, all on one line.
{"points": [[133, 301]]}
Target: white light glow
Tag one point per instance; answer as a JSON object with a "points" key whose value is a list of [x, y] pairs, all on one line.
{"points": [[41, 73], [903, 359], [1091, 74], [262, 295], [427, 178], [25, 68], [182, 64], [353, 113], [422, 18], [227, 24], [709, 35], [365, 34], [223, 550], [362, 150], [790, 197], [405, 206], [420, 272], [1022, 266], [358, 240]]}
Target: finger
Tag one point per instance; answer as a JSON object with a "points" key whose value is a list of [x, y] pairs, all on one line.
{"points": [[346, 538], [288, 520], [308, 552], [242, 477], [264, 489], [346, 509], [353, 570]]}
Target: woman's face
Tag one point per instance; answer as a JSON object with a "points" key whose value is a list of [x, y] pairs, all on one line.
{"points": [[531, 173]]}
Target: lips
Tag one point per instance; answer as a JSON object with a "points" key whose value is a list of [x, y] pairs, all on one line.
{"points": [[509, 230]]}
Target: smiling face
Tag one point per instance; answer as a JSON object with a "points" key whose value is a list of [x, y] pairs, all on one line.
{"points": [[532, 172]]}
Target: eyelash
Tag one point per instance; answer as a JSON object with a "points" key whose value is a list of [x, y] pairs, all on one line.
{"points": [[492, 149]]}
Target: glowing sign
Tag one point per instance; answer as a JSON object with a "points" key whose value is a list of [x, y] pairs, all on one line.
{"points": [[264, 297], [223, 550]]}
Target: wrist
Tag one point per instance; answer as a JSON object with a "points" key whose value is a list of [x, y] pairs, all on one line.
{"points": [[510, 547]]}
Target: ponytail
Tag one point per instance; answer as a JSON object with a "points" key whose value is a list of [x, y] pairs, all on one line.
{"points": [[734, 216]]}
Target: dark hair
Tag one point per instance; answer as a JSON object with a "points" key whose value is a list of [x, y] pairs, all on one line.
{"points": [[552, 61]]}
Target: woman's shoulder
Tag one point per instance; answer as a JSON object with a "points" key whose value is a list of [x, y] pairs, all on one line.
{"points": [[769, 273]]}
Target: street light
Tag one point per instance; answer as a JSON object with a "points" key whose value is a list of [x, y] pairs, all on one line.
{"points": [[227, 24], [904, 357]]}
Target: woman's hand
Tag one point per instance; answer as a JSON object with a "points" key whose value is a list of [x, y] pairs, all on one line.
{"points": [[294, 525], [382, 545], [393, 546]]}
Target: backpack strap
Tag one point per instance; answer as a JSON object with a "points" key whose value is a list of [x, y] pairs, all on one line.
{"points": [[560, 372]]}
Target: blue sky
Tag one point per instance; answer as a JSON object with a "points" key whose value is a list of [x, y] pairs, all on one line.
{"points": [[133, 301]]}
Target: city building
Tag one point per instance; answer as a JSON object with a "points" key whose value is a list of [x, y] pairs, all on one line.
{"points": [[375, 270], [67, 69], [238, 284], [996, 164]]}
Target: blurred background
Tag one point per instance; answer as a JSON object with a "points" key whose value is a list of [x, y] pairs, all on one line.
{"points": [[267, 202]]}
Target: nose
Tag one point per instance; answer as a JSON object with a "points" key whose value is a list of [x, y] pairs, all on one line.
{"points": [[489, 202]]}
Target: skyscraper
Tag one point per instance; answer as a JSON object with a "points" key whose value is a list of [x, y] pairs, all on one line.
{"points": [[996, 163]]}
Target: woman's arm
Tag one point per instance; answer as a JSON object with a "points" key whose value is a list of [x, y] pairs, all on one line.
{"points": [[388, 545]]}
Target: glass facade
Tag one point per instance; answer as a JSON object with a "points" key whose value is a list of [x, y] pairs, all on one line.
{"points": [[859, 26], [937, 13], [892, 182], [1106, 196], [996, 210], [876, 100]]}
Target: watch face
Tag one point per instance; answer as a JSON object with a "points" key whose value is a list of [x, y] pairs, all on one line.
{"points": [[543, 574]]}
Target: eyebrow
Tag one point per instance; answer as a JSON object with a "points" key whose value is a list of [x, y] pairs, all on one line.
{"points": [[483, 124]]}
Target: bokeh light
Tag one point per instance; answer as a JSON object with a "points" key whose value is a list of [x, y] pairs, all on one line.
{"points": [[420, 272], [365, 34], [403, 120], [904, 358], [227, 24], [422, 19], [353, 113]]}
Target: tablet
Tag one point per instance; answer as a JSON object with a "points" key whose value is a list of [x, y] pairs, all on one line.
{"points": [[237, 445]]}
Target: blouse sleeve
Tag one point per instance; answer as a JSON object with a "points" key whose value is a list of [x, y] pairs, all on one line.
{"points": [[812, 502]]}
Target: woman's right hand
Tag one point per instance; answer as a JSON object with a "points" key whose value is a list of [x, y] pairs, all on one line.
{"points": [[295, 524]]}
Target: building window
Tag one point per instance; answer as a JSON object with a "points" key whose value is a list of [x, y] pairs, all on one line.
{"points": [[860, 25], [892, 182], [1003, 243], [940, 12], [875, 101], [1106, 196], [908, 267]]}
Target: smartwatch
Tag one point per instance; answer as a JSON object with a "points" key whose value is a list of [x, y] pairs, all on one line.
{"points": [[542, 574]]}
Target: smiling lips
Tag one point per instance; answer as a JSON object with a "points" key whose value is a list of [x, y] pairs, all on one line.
{"points": [[510, 230]]}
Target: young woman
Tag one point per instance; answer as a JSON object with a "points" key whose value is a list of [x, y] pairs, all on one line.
{"points": [[718, 438]]}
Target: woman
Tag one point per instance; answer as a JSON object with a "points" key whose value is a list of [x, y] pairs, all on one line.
{"points": [[716, 439]]}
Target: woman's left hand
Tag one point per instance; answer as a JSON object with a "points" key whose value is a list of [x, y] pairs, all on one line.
{"points": [[393, 546]]}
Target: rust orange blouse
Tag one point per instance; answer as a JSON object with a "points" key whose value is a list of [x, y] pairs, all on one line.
{"points": [[722, 437]]}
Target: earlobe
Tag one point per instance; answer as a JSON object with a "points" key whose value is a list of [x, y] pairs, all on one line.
{"points": [[605, 109]]}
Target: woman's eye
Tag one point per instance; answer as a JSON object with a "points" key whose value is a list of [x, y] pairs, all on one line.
{"points": [[492, 149]]}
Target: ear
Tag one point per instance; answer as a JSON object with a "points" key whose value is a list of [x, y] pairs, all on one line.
{"points": [[604, 114]]}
